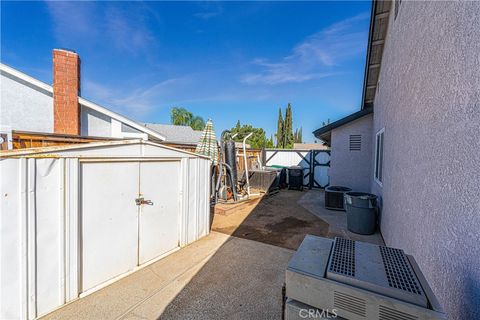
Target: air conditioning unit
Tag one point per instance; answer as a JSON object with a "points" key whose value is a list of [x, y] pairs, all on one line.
{"points": [[334, 197], [357, 280]]}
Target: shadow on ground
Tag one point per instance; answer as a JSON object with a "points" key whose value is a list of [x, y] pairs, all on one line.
{"points": [[277, 220], [223, 275], [242, 280]]}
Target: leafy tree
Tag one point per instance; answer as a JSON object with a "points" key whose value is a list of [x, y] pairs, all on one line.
{"points": [[270, 142], [257, 140], [197, 123], [182, 117]]}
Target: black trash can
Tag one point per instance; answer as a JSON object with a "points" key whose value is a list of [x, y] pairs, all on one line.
{"points": [[361, 212], [295, 178]]}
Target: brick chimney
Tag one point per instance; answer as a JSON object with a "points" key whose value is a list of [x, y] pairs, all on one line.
{"points": [[66, 89]]}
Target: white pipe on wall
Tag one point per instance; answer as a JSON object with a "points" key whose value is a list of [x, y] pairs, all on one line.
{"points": [[246, 162]]}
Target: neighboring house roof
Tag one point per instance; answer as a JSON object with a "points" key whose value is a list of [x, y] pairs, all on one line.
{"points": [[376, 41], [49, 89], [324, 132], [176, 134], [309, 146]]}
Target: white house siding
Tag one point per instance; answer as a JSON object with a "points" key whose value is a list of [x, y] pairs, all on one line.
{"points": [[40, 244], [24, 106], [94, 123], [428, 101], [352, 169]]}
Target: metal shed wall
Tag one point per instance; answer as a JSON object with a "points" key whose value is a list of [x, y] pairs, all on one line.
{"points": [[40, 215]]}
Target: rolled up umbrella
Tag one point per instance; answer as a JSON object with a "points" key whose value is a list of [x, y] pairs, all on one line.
{"points": [[208, 145]]}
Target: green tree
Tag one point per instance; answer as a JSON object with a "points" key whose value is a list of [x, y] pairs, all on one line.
{"points": [[257, 140], [298, 135], [270, 142], [279, 134], [197, 123], [182, 117], [288, 128]]}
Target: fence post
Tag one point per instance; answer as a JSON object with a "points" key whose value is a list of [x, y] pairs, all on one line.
{"points": [[312, 169], [264, 157]]}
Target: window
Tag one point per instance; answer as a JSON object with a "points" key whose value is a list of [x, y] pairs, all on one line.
{"points": [[355, 142], [379, 156]]}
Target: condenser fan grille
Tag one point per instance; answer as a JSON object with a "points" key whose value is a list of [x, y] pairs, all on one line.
{"points": [[343, 257], [399, 273]]}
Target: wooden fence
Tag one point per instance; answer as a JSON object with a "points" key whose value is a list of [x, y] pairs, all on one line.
{"points": [[23, 139]]}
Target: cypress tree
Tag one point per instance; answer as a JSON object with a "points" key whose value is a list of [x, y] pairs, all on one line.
{"points": [[288, 128], [279, 134]]}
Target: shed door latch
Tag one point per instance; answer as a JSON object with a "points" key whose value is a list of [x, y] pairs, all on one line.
{"points": [[140, 201]]}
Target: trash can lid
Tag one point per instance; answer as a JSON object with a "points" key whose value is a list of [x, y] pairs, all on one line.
{"points": [[338, 188]]}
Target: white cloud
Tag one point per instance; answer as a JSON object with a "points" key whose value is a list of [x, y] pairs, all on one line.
{"points": [[137, 102], [87, 22], [317, 56], [210, 10], [71, 19], [126, 33]]}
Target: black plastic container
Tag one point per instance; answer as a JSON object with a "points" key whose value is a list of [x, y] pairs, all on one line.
{"points": [[295, 178]]}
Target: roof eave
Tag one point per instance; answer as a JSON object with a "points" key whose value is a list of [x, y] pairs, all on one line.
{"points": [[325, 130], [380, 15]]}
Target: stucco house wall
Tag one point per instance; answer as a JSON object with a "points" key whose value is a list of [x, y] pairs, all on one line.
{"points": [[28, 106], [25, 107], [352, 169], [428, 101], [94, 123]]}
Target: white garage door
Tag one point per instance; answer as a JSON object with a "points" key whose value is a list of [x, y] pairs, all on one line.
{"points": [[118, 234]]}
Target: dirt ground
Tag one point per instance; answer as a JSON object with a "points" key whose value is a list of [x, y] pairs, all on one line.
{"points": [[276, 219]]}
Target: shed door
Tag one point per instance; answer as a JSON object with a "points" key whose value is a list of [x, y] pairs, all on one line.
{"points": [[109, 221], [159, 221]]}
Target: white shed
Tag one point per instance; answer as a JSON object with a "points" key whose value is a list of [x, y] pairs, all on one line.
{"points": [[75, 218]]}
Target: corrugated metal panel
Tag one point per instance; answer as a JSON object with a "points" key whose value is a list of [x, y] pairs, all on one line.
{"points": [[40, 213]]}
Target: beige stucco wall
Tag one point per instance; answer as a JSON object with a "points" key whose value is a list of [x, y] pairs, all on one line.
{"points": [[352, 169], [428, 101], [23, 106]]}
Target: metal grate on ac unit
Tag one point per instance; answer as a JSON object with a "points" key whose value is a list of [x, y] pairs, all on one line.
{"points": [[398, 270], [343, 257], [376, 268], [355, 142]]}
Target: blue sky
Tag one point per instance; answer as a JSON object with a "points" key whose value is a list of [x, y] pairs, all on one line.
{"points": [[226, 61]]}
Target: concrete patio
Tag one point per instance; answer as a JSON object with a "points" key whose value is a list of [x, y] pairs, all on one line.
{"points": [[283, 219], [214, 278], [235, 272]]}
